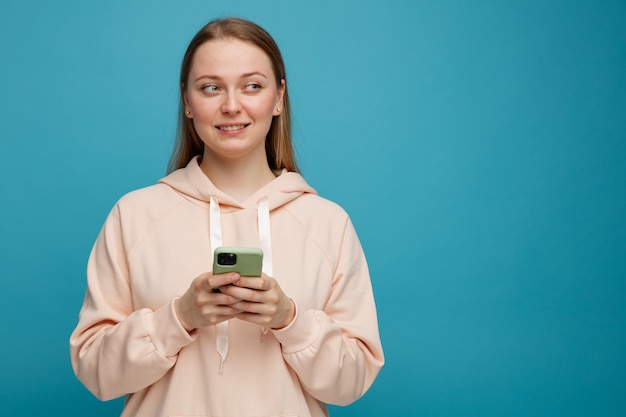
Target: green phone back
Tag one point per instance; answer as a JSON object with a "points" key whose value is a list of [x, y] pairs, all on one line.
{"points": [[249, 261]]}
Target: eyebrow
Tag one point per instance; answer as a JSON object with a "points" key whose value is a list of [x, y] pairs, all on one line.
{"points": [[245, 75]]}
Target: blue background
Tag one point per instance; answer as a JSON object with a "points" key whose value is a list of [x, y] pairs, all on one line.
{"points": [[480, 148]]}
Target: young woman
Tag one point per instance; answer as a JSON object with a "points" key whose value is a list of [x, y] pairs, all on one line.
{"points": [[160, 328]]}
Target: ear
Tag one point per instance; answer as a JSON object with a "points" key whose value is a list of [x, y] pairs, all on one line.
{"points": [[187, 108], [278, 108]]}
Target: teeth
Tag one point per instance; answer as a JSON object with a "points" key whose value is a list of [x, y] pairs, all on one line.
{"points": [[235, 127]]}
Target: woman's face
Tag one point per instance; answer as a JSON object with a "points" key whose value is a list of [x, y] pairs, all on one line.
{"points": [[232, 96]]}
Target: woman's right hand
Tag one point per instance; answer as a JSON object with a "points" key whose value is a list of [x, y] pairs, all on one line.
{"points": [[202, 306]]}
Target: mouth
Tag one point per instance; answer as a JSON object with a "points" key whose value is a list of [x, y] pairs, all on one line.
{"points": [[232, 128]]}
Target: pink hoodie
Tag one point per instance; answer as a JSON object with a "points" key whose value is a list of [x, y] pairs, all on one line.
{"points": [[156, 240]]}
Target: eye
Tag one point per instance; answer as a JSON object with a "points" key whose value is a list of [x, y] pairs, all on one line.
{"points": [[210, 88], [253, 87]]}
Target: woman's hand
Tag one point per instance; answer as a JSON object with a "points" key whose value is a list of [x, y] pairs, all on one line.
{"points": [[202, 306], [262, 302]]}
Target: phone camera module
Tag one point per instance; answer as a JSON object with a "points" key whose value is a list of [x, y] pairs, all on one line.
{"points": [[226, 258]]}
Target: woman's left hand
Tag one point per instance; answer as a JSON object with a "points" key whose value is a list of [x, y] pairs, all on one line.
{"points": [[263, 302]]}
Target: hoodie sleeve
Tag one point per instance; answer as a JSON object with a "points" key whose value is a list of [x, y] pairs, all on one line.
{"points": [[337, 352], [114, 349]]}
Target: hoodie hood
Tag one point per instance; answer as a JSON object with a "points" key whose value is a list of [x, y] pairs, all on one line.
{"points": [[194, 184]]}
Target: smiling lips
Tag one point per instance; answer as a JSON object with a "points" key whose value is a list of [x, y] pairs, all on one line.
{"points": [[231, 128]]}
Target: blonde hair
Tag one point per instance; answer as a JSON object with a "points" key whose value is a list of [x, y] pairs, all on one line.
{"points": [[278, 144]]}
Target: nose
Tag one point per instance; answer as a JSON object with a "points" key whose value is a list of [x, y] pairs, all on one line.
{"points": [[231, 104]]}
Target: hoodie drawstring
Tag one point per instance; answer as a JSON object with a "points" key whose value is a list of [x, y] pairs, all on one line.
{"points": [[265, 237], [265, 234], [216, 241]]}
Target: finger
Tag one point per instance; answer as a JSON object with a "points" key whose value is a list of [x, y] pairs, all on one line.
{"points": [[218, 297], [242, 293], [254, 283], [222, 311], [259, 319], [219, 280], [250, 307]]}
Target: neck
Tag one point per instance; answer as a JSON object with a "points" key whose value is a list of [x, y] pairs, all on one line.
{"points": [[238, 178]]}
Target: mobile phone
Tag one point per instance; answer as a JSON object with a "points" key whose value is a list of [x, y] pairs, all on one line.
{"points": [[247, 261]]}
